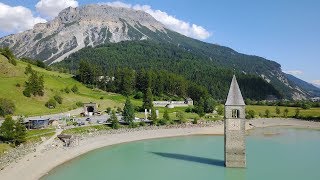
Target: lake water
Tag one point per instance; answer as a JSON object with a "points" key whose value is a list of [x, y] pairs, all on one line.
{"points": [[272, 153]]}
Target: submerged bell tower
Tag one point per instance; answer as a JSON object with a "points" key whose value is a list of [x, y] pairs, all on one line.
{"points": [[234, 128]]}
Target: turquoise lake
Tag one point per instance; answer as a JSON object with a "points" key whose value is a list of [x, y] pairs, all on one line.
{"points": [[272, 153]]}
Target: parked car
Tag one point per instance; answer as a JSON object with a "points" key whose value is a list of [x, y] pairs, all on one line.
{"points": [[88, 119]]}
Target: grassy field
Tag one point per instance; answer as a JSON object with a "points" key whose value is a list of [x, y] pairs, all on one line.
{"points": [[36, 134], [272, 109], [4, 147], [11, 75], [85, 129]]}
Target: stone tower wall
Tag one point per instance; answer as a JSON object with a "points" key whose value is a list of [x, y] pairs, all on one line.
{"points": [[234, 137]]}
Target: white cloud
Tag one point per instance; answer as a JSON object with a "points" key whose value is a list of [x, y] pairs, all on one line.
{"points": [[294, 72], [117, 4], [171, 22], [17, 18], [51, 8], [316, 82]]}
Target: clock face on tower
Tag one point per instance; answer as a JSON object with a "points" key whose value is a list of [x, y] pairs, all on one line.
{"points": [[234, 124]]}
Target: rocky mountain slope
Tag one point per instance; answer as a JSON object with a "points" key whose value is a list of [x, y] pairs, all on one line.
{"points": [[93, 25], [75, 28]]}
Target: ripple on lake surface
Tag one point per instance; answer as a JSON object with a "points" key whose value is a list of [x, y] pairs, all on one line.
{"points": [[272, 153]]}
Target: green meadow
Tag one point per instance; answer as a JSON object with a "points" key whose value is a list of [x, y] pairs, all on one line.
{"points": [[315, 112], [12, 80]]}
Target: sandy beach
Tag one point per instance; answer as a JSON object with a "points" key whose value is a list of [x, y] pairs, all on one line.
{"points": [[40, 162]]}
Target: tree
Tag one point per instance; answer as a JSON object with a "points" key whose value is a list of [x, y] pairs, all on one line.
{"points": [[195, 120], [108, 110], [166, 118], [251, 114], [200, 108], [75, 89], [209, 105], [285, 112], [7, 129], [114, 120], [148, 99], [20, 132], [9, 55], [267, 113], [34, 85], [181, 117], [51, 104], [297, 113], [278, 110], [220, 110], [153, 116], [6, 107], [28, 70], [58, 99], [128, 111]]}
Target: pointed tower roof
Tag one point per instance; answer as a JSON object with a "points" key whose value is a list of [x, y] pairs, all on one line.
{"points": [[234, 96]]}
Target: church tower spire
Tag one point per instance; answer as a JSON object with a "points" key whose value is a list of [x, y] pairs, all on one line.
{"points": [[234, 127], [234, 95]]}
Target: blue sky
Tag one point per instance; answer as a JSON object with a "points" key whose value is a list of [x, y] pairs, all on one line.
{"points": [[285, 31]]}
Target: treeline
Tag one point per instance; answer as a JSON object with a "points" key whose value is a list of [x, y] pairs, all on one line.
{"points": [[139, 55], [304, 104], [127, 81], [9, 55]]}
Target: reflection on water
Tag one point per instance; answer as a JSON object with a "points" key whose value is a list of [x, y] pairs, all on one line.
{"points": [[235, 173]]}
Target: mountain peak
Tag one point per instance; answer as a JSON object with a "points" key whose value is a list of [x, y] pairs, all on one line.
{"points": [[76, 28]]}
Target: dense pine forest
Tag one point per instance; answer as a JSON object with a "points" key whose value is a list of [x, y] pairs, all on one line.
{"points": [[167, 68]]}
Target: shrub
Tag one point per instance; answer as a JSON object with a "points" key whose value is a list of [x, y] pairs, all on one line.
{"points": [[26, 93], [119, 110], [101, 97], [67, 90], [278, 110], [6, 107], [142, 123], [108, 110], [18, 85], [138, 95], [251, 114], [297, 113], [79, 104], [74, 89], [51, 104], [58, 99], [285, 112], [195, 120], [220, 110], [306, 106], [267, 112], [188, 110], [181, 117]]}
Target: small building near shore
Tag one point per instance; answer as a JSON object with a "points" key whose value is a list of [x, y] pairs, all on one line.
{"points": [[172, 104], [90, 108], [37, 123]]}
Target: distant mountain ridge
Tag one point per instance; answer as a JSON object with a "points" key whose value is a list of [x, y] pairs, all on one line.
{"points": [[314, 90], [93, 25]]}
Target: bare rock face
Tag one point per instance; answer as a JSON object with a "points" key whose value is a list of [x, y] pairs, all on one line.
{"points": [[76, 28]]}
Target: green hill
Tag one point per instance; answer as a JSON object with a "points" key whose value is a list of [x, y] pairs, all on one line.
{"points": [[12, 80], [157, 56]]}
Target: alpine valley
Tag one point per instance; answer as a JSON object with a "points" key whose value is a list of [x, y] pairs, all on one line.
{"points": [[113, 37]]}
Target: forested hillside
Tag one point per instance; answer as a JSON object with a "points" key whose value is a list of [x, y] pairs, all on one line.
{"points": [[159, 58]]}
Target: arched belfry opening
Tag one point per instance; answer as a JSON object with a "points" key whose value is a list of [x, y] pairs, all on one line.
{"points": [[235, 113], [234, 128]]}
